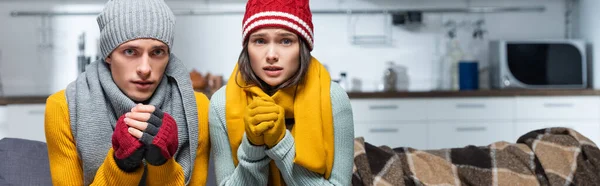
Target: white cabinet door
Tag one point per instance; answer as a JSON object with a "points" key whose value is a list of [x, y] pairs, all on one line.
{"points": [[3, 119], [26, 121], [562, 107], [444, 109], [589, 128], [389, 109], [393, 134], [460, 134]]}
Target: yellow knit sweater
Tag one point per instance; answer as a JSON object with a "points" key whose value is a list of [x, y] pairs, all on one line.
{"points": [[65, 164]]}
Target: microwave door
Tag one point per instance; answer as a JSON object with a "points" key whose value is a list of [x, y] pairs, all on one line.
{"points": [[544, 65]]}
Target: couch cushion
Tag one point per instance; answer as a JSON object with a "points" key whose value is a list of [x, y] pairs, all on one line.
{"points": [[24, 162]]}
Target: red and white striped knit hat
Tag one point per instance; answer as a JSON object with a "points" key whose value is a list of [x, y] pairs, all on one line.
{"points": [[293, 15]]}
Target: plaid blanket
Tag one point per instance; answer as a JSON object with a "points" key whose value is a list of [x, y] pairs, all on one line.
{"points": [[552, 156]]}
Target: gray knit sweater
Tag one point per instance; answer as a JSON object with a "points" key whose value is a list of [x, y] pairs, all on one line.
{"points": [[253, 167]]}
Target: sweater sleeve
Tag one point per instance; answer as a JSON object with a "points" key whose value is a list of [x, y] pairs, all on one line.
{"points": [[200, 172], [65, 165], [253, 167], [341, 173]]}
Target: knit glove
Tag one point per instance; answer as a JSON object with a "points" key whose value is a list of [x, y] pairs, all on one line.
{"points": [[273, 135], [128, 150], [160, 138], [259, 117]]}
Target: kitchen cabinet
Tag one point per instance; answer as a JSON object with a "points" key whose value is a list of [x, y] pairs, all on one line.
{"points": [[463, 133], [367, 110], [551, 108], [25, 121], [433, 123], [458, 122], [391, 122], [444, 109], [579, 113], [393, 134]]}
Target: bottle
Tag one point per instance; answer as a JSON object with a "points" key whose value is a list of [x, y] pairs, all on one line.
{"points": [[454, 56], [344, 81], [81, 59], [448, 68], [390, 77]]}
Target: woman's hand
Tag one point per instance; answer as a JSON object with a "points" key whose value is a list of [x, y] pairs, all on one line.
{"points": [[259, 117], [275, 133]]}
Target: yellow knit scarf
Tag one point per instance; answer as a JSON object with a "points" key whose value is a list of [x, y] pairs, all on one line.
{"points": [[311, 109]]}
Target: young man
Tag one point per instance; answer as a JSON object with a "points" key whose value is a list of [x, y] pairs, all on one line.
{"points": [[132, 117]]}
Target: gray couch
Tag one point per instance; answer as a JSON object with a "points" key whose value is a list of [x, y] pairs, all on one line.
{"points": [[24, 162]]}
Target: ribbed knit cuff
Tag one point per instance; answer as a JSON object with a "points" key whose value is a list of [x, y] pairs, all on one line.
{"points": [[252, 152], [109, 174], [284, 146], [170, 173]]}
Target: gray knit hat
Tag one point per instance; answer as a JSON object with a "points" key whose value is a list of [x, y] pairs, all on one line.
{"points": [[125, 20]]}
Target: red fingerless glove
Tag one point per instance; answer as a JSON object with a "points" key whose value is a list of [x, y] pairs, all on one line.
{"points": [[160, 138], [128, 150]]}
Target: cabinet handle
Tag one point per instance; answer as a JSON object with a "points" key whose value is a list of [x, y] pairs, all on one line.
{"points": [[383, 130], [559, 105], [470, 129], [36, 112], [470, 105], [383, 107]]}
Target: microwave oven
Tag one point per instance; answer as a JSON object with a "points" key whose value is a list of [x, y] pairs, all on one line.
{"points": [[538, 64]]}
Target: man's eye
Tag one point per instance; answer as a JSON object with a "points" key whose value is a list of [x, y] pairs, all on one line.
{"points": [[129, 52], [158, 52]]}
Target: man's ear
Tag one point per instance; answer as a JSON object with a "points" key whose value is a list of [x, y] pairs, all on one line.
{"points": [[108, 59]]}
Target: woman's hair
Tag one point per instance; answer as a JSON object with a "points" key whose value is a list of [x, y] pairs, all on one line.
{"points": [[248, 75]]}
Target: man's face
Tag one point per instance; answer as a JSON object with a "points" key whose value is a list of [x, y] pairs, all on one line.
{"points": [[137, 67]]}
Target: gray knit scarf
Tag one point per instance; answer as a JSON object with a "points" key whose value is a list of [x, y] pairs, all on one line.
{"points": [[95, 104]]}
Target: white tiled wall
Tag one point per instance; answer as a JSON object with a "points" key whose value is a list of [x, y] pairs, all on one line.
{"points": [[212, 43], [3, 124], [590, 30]]}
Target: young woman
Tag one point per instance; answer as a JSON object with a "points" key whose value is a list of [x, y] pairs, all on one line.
{"points": [[132, 117], [280, 120]]}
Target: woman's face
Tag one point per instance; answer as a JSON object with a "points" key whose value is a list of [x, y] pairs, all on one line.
{"points": [[137, 67], [274, 54]]}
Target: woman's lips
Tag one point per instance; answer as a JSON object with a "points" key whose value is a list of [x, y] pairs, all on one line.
{"points": [[273, 71]]}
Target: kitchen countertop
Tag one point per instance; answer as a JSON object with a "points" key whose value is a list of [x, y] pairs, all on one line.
{"points": [[23, 100], [377, 95], [478, 93]]}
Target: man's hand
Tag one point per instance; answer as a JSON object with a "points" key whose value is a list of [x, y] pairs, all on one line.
{"points": [[157, 129]]}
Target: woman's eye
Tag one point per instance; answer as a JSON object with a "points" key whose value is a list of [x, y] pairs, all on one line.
{"points": [[259, 41], [286, 41]]}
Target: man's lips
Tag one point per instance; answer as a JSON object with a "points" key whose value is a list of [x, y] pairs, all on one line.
{"points": [[143, 84]]}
